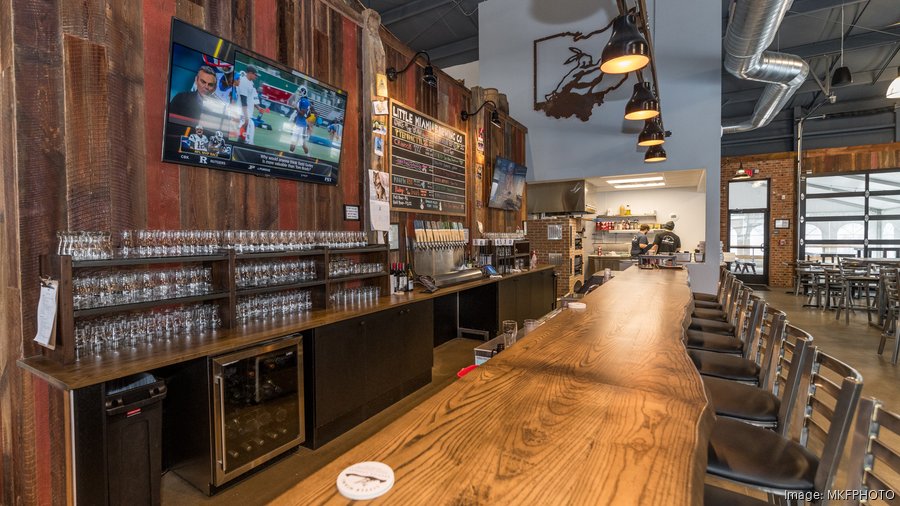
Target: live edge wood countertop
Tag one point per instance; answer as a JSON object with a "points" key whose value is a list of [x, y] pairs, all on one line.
{"points": [[596, 406], [109, 366]]}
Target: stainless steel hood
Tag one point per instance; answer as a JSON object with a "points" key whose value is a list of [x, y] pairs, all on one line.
{"points": [[558, 197]]}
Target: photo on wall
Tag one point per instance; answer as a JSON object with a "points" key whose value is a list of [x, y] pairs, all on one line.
{"points": [[507, 185]]}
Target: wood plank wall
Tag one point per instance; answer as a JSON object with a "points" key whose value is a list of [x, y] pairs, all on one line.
{"points": [[82, 99]]}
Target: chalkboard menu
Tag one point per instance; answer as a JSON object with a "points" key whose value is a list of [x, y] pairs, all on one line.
{"points": [[428, 164]]}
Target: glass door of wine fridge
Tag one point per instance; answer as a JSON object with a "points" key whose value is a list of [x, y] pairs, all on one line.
{"points": [[258, 405]]}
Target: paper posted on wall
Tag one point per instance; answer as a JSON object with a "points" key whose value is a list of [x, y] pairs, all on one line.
{"points": [[46, 314], [379, 196]]}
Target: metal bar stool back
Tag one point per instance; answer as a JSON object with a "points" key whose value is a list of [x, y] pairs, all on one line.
{"points": [[875, 454]]}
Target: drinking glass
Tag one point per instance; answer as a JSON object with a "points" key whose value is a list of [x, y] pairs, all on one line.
{"points": [[531, 325], [510, 328]]}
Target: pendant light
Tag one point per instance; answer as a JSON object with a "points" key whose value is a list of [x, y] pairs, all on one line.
{"points": [[643, 103], [842, 76], [655, 154], [627, 50], [893, 90], [653, 133]]}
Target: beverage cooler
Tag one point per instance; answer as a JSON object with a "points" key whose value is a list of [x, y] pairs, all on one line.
{"points": [[252, 412]]}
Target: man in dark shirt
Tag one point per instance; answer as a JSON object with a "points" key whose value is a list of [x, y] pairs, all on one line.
{"points": [[666, 241], [190, 103], [639, 243]]}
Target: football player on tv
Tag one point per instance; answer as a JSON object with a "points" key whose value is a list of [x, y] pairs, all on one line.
{"points": [[199, 142], [303, 118]]}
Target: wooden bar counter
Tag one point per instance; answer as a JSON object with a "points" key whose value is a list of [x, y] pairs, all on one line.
{"points": [[596, 406]]}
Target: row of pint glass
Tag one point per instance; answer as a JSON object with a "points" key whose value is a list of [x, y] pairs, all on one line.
{"points": [[270, 273], [157, 243], [254, 241], [99, 289], [120, 332], [84, 245], [355, 296], [261, 307], [345, 267]]}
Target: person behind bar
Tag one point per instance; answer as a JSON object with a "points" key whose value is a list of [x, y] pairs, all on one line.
{"points": [[190, 103], [666, 241], [639, 243]]}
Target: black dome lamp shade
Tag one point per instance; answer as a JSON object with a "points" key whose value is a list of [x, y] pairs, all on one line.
{"points": [[655, 154], [653, 133], [627, 50], [841, 77], [643, 103]]}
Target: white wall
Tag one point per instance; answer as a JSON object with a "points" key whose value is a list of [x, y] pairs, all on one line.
{"points": [[689, 205], [687, 39], [466, 71]]}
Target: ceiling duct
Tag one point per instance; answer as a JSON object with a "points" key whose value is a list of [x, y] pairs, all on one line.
{"points": [[752, 29]]}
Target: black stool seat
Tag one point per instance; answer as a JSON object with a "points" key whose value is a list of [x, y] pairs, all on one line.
{"points": [[705, 296], [714, 341], [722, 365], [715, 496], [760, 457], [746, 402], [707, 304], [711, 325], [708, 314]]}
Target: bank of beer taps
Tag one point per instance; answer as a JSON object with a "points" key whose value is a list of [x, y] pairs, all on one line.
{"points": [[439, 235]]}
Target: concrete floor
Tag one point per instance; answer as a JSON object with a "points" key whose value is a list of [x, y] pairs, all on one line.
{"points": [[855, 344]]}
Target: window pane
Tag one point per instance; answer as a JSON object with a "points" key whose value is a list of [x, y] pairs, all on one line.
{"points": [[747, 229], [748, 194], [748, 260], [836, 206], [834, 184], [884, 205], [880, 181], [816, 252], [884, 229], [831, 230]]}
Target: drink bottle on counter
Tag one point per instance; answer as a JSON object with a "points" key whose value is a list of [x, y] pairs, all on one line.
{"points": [[410, 278]]}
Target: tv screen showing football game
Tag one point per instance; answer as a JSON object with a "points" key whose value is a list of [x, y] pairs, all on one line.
{"points": [[230, 109]]}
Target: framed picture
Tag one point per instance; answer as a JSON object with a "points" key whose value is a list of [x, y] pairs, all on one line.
{"points": [[351, 212], [394, 236], [782, 223]]}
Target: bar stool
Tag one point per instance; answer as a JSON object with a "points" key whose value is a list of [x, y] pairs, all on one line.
{"points": [[703, 300], [751, 309], [770, 407], [874, 459], [718, 321], [759, 458], [857, 277], [751, 366], [892, 314]]}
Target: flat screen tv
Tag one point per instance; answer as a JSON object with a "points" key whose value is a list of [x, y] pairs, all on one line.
{"points": [[233, 110], [507, 185]]}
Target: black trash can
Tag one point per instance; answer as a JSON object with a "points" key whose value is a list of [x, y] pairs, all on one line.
{"points": [[134, 439]]}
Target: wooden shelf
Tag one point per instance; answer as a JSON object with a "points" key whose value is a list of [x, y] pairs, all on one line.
{"points": [[375, 248], [632, 231], [353, 277], [102, 310], [123, 261], [241, 292], [280, 254], [617, 216]]}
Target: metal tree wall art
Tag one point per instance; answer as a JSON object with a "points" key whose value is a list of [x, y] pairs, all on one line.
{"points": [[567, 77]]}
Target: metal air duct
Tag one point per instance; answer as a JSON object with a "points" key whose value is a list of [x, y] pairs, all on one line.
{"points": [[752, 29]]}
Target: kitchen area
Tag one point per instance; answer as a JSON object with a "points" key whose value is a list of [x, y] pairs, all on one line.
{"points": [[595, 220]]}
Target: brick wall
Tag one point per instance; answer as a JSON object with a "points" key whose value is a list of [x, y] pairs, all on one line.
{"points": [[778, 168], [537, 235]]}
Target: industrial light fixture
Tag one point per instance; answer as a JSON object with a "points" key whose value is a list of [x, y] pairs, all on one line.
{"points": [[638, 185], [893, 90], [653, 133], [495, 116], [842, 76], [743, 173], [643, 103], [627, 50], [428, 76], [635, 180], [655, 154]]}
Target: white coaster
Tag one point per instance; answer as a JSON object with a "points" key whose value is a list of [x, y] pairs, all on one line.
{"points": [[577, 305], [365, 480]]}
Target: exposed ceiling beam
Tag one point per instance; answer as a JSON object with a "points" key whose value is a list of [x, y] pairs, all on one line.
{"points": [[410, 9], [453, 48], [883, 37], [861, 78], [801, 7]]}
